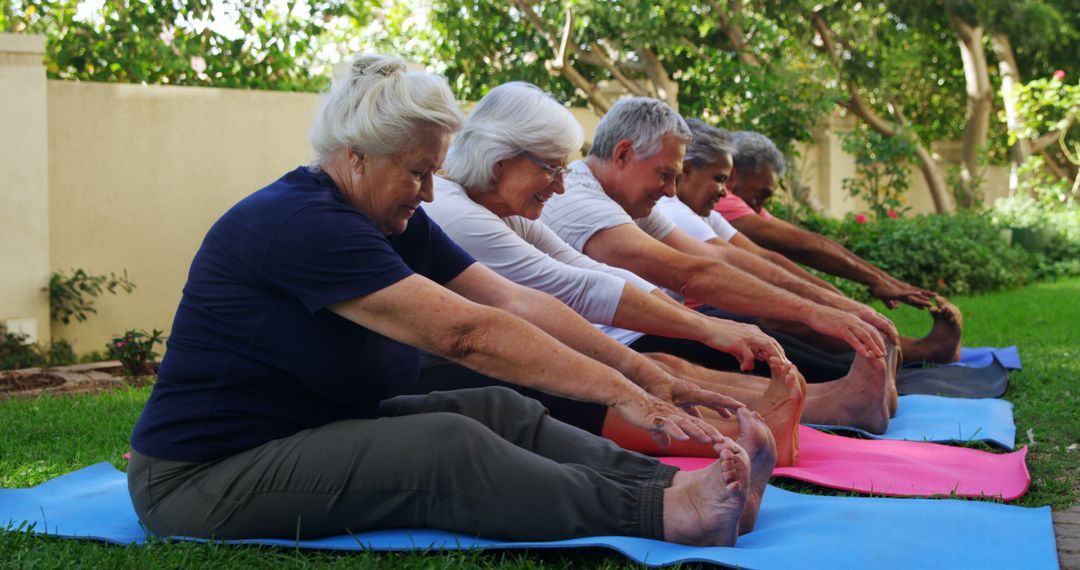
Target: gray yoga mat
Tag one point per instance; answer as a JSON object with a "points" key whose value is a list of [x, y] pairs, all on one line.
{"points": [[989, 381]]}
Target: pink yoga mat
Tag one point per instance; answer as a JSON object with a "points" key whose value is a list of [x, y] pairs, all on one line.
{"points": [[898, 468]]}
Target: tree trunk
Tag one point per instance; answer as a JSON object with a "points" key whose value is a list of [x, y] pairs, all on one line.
{"points": [[935, 182], [979, 99], [1010, 81]]}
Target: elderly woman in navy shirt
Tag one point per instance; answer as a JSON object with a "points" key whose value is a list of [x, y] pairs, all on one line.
{"points": [[277, 411]]}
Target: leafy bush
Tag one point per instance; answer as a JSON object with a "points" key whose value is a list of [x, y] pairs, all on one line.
{"points": [[951, 254], [17, 352], [135, 350], [74, 296]]}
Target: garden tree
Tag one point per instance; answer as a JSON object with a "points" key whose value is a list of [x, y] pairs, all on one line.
{"points": [[872, 58], [968, 24], [714, 59], [220, 43]]}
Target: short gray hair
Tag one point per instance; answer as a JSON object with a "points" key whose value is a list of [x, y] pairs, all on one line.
{"points": [[377, 106], [710, 143], [641, 120], [512, 118], [755, 150]]}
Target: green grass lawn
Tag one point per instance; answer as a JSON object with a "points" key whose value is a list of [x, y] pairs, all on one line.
{"points": [[49, 436]]}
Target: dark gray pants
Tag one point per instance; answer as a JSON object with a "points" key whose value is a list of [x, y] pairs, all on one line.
{"points": [[483, 462]]}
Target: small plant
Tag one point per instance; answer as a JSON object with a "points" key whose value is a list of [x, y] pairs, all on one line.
{"points": [[17, 352], [135, 350], [882, 175], [74, 296]]}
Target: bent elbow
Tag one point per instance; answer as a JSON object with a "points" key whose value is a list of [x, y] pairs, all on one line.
{"points": [[462, 340]]}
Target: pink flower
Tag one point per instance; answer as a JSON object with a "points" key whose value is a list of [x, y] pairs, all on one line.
{"points": [[119, 344], [892, 214], [1059, 74], [860, 219]]}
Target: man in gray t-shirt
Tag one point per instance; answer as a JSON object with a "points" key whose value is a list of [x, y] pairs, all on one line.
{"points": [[607, 213]]}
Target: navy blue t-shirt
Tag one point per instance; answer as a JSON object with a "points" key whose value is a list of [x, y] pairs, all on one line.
{"points": [[254, 353]]}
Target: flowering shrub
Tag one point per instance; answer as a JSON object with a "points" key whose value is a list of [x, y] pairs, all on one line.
{"points": [[135, 350], [952, 254]]}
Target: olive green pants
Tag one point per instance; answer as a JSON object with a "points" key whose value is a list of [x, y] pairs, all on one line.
{"points": [[482, 462]]}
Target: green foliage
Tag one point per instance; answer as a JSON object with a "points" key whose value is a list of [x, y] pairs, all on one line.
{"points": [[952, 254], [73, 296], [16, 351], [135, 350], [882, 170], [220, 43], [1060, 256]]}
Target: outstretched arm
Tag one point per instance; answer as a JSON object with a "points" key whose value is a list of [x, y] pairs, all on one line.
{"points": [[419, 312], [717, 283], [826, 255], [742, 242]]}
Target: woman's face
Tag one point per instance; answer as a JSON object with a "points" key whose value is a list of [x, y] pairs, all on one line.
{"points": [[391, 186], [523, 183], [700, 187]]}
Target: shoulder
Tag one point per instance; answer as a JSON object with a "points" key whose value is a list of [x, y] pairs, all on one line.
{"points": [[732, 207]]}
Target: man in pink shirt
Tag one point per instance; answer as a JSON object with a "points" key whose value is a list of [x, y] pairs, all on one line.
{"points": [[758, 165]]}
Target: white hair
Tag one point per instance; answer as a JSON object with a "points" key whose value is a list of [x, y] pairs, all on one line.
{"points": [[641, 120], [710, 143], [377, 106], [512, 118]]}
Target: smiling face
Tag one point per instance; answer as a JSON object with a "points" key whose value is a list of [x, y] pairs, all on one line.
{"points": [[700, 187], [755, 188], [638, 184], [390, 187], [522, 185]]}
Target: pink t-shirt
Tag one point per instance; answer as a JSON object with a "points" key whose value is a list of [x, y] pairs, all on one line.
{"points": [[733, 207]]}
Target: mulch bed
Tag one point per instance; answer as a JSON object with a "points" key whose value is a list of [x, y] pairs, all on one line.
{"points": [[92, 378]]}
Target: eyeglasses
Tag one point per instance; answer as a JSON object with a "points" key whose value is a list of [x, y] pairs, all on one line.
{"points": [[554, 172]]}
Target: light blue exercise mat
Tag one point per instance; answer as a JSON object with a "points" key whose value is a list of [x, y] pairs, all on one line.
{"points": [[938, 419], [793, 530]]}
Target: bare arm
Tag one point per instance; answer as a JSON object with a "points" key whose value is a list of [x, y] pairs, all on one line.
{"points": [[742, 242], [484, 286], [643, 312], [826, 255], [717, 283], [756, 266], [418, 312]]}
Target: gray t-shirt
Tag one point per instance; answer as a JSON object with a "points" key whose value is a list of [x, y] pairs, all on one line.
{"points": [[584, 209]]}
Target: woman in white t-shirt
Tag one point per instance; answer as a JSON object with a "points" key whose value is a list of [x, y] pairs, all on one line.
{"points": [[504, 164]]}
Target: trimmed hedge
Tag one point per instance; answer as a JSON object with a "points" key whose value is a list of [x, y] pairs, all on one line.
{"points": [[952, 254]]}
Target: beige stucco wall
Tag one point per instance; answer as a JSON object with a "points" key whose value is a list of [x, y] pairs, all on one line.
{"points": [[139, 173], [24, 186]]}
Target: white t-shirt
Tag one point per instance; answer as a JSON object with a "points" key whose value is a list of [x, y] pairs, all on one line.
{"points": [[528, 253], [584, 209], [703, 228]]}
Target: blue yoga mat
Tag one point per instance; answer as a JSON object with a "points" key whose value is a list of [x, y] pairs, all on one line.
{"points": [[1009, 357], [938, 419], [793, 530]]}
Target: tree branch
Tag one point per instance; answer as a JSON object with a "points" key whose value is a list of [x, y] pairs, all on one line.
{"points": [[731, 27], [562, 65], [666, 89]]}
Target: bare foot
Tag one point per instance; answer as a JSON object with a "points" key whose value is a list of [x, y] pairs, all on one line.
{"points": [[781, 407], [893, 358], [856, 400], [702, 508], [755, 438], [942, 344]]}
